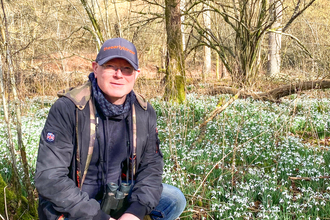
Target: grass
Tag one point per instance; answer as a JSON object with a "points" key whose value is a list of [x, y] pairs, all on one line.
{"points": [[242, 167]]}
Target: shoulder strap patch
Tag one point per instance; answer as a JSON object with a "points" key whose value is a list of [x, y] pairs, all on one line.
{"points": [[78, 95], [142, 101]]}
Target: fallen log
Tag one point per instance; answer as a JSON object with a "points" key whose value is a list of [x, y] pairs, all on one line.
{"points": [[275, 94]]}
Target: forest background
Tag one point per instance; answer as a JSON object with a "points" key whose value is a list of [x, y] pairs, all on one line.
{"points": [[273, 56]]}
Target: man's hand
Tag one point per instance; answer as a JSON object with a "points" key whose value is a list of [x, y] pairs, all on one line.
{"points": [[128, 216], [112, 218]]}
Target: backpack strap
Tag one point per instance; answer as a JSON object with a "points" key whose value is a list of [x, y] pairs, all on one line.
{"points": [[91, 138], [81, 178]]}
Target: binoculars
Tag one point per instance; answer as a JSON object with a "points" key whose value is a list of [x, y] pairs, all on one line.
{"points": [[115, 202]]}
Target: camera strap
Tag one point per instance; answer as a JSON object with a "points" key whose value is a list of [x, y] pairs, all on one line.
{"points": [[128, 149]]}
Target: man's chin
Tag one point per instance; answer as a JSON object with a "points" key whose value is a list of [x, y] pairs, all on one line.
{"points": [[116, 99]]}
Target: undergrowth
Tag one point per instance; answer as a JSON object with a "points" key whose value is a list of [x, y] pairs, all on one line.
{"points": [[256, 159]]}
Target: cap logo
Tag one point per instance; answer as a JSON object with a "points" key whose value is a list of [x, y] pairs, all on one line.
{"points": [[120, 48]]}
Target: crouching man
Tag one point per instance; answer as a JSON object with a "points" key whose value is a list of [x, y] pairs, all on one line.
{"points": [[99, 155]]}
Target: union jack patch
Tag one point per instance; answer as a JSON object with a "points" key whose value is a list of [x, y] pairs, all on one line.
{"points": [[50, 137]]}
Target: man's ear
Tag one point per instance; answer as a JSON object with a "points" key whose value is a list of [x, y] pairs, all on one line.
{"points": [[137, 72], [95, 66]]}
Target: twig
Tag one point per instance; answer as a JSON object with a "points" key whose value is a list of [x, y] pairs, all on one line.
{"points": [[308, 178], [5, 198], [296, 39], [2, 217], [220, 109], [24, 212], [85, 58], [297, 13]]}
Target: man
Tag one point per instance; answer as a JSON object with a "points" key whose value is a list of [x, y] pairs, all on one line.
{"points": [[99, 135]]}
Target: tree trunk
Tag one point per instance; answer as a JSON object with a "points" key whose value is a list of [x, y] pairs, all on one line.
{"points": [[175, 69], [118, 25], [217, 71], [224, 72], [182, 7], [207, 51], [275, 39]]}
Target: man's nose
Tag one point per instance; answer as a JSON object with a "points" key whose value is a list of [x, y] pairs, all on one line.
{"points": [[118, 72]]}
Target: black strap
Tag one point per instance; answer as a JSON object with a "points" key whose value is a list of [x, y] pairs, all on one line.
{"points": [[128, 149]]}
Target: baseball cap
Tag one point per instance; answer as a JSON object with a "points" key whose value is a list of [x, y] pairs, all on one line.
{"points": [[118, 48]]}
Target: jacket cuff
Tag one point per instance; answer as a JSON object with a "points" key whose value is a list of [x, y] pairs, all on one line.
{"points": [[137, 209], [101, 216]]}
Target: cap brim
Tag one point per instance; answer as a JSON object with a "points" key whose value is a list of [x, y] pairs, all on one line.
{"points": [[104, 60]]}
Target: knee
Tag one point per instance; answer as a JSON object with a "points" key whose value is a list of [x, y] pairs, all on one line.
{"points": [[181, 201], [176, 196]]}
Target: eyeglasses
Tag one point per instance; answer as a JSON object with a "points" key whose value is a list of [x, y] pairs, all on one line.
{"points": [[125, 70]]}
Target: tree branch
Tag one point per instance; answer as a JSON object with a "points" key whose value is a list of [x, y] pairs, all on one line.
{"points": [[296, 14]]}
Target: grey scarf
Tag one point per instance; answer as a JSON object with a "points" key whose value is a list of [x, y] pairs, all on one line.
{"points": [[108, 109]]}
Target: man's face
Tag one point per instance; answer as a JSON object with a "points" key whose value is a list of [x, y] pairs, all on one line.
{"points": [[116, 79]]}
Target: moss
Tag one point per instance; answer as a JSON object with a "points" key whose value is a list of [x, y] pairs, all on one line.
{"points": [[175, 89], [160, 70], [180, 88], [15, 209]]}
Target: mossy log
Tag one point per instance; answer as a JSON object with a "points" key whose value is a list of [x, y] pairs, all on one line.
{"points": [[11, 207]]}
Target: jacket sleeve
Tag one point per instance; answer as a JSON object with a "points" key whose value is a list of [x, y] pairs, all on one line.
{"points": [[53, 164], [148, 184]]}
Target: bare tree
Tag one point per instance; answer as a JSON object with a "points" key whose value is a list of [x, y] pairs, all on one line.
{"points": [[249, 21], [15, 176], [17, 108], [238, 50], [275, 34], [96, 30]]}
